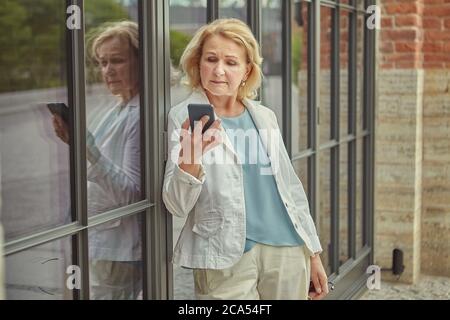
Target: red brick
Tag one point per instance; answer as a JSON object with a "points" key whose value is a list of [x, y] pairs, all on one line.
{"points": [[388, 65], [387, 47], [387, 22], [432, 46], [407, 64], [437, 11], [436, 35], [408, 20], [428, 2], [401, 57], [447, 23], [433, 65], [405, 35], [396, 8], [437, 57], [343, 47], [432, 23], [407, 46]]}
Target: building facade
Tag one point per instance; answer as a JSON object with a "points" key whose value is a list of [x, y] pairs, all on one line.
{"points": [[412, 158]]}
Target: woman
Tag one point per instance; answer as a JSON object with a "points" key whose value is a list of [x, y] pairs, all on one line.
{"points": [[113, 153], [248, 233]]}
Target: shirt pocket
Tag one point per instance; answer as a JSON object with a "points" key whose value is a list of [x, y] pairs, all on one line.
{"points": [[208, 222]]}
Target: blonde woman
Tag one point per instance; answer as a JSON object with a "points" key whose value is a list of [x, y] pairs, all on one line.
{"points": [[248, 233], [113, 152]]}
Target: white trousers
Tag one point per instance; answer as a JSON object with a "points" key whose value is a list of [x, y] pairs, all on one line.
{"points": [[265, 272]]}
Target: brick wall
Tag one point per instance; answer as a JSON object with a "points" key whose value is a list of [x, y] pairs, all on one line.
{"points": [[413, 130]]}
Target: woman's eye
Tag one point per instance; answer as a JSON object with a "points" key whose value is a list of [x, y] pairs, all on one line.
{"points": [[212, 59], [116, 61], [232, 63]]}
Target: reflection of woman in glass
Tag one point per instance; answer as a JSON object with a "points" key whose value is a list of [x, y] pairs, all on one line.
{"points": [[248, 233], [113, 152]]}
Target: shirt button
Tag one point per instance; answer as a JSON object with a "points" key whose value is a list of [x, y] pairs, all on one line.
{"points": [[286, 204], [296, 226]]}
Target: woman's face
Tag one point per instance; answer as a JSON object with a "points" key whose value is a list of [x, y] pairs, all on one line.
{"points": [[118, 67], [223, 66]]}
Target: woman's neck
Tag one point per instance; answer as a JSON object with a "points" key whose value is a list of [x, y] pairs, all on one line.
{"points": [[125, 98], [227, 106]]}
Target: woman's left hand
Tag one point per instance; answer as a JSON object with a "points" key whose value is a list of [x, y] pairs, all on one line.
{"points": [[319, 279]]}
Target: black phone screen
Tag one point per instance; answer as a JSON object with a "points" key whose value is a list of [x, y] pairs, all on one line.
{"points": [[197, 111], [60, 109]]}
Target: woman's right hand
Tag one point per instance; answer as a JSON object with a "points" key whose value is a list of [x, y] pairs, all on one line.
{"points": [[195, 144], [61, 129]]}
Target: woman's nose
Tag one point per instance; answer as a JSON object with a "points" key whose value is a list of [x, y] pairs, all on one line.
{"points": [[218, 70], [108, 69]]}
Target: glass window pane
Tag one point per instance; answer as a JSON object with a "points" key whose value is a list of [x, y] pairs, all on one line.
{"points": [[185, 18], [325, 73], [44, 272], [343, 82], [359, 4], [359, 194], [343, 203], [271, 47], [115, 259], [233, 9], [300, 81], [360, 74], [35, 163], [112, 105], [324, 214]]}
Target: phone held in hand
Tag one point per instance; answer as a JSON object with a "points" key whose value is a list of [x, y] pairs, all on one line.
{"points": [[60, 109], [197, 111]]}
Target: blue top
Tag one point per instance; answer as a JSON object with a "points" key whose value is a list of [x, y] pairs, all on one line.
{"points": [[267, 220]]}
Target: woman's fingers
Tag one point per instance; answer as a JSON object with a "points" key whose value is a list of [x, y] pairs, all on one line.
{"points": [[323, 284], [212, 136], [198, 127], [184, 129], [317, 286], [197, 142], [60, 128], [212, 131], [185, 124]]}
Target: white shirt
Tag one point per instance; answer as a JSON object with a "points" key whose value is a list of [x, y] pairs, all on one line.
{"points": [[114, 180]]}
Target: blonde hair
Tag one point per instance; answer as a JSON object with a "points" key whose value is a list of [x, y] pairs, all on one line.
{"points": [[126, 31], [236, 31]]}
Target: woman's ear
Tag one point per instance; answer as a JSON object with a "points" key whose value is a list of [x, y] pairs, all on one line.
{"points": [[249, 70]]}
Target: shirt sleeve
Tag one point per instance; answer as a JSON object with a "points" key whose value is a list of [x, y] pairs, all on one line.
{"points": [[123, 183], [180, 189]]}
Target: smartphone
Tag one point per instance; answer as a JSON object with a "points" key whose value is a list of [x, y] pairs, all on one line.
{"points": [[60, 109], [197, 111]]}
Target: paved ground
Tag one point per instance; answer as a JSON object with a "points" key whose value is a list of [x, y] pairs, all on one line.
{"points": [[427, 288]]}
